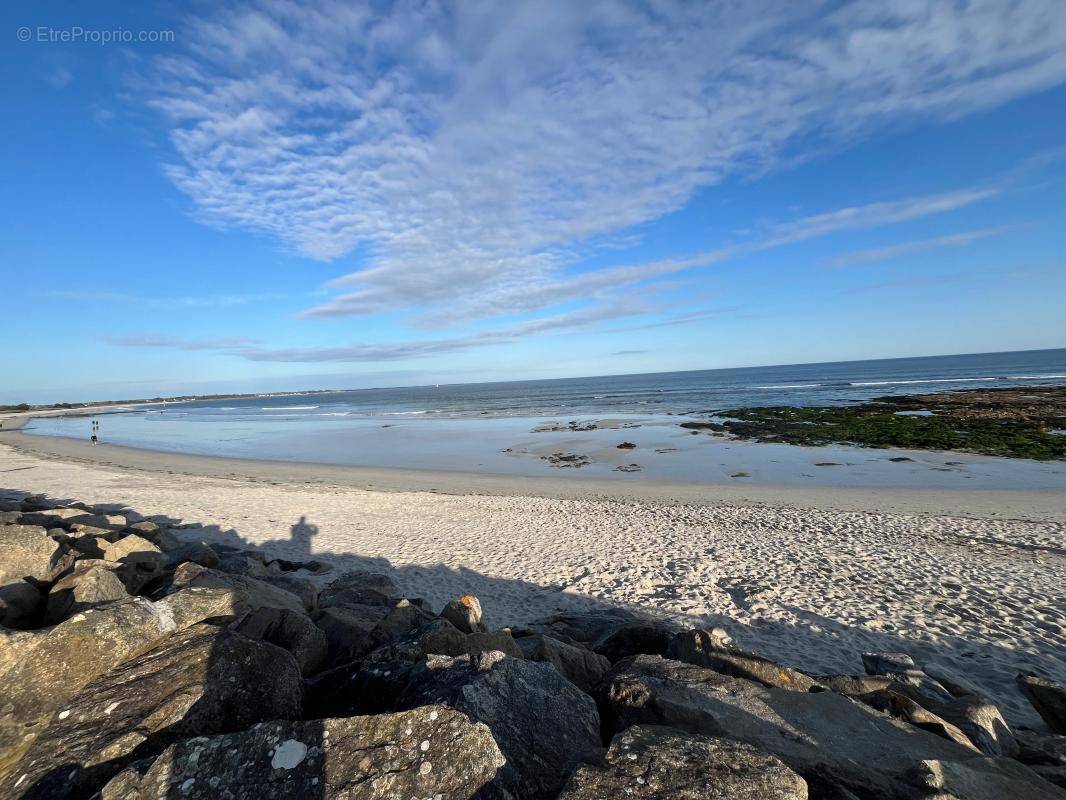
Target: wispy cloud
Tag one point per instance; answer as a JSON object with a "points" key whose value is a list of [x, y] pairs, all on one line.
{"points": [[416, 348], [188, 301], [921, 246], [473, 153], [226, 343], [902, 283]]}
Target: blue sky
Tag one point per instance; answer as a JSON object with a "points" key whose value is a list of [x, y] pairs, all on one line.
{"points": [[280, 196]]}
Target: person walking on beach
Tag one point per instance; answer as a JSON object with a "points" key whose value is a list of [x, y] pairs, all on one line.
{"points": [[94, 429]]}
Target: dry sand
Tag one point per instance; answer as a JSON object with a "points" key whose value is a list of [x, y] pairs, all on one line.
{"points": [[808, 578]]}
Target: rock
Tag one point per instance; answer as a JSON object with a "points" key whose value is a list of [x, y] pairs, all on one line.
{"points": [[584, 628], [842, 748], [138, 560], [243, 564], [199, 682], [704, 649], [983, 723], [901, 707], [198, 603], [67, 658], [252, 591], [465, 614], [193, 552], [26, 551], [300, 587], [290, 631], [356, 688], [543, 724], [580, 666], [15, 646], [313, 567], [20, 605], [132, 549], [163, 538], [358, 588], [72, 519], [432, 752], [402, 620], [1040, 748], [1052, 774], [86, 586], [902, 667], [1047, 697], [626, 446], [450, 642], [348, 630], [854, 685], [654, 762], [632, 639], [969, 712]]}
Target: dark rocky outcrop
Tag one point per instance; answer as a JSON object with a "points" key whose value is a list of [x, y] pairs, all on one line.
{"points": [[431, 752], [842, 748], [201, 681], [233, 676], [704, 649], [465, 614], [543, 724], [28, 552], [65, 659], [1048, 698], [579, 665], [654, 762], [89, 584], [21, 605], [254, 592], [290, 631]]}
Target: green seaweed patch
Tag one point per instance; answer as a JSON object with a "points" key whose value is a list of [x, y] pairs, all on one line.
{"points": [[875, 425]]}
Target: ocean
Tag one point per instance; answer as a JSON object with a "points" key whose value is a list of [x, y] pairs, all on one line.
{"points": [[492, 427], [666, 392]]}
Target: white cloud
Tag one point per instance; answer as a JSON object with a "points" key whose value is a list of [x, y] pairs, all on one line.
{"points": [[580, 319], [224, 343], [187, 301], [470, 154], [921, 246]]}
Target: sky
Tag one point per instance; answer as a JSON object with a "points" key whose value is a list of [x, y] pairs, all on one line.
{"points": [[273, 196]]}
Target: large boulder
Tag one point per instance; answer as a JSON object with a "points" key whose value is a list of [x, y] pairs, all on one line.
{"points": [[137, 561], [21, 604], [359, 587], [465, 614], [543, 724], [67, 658], [202, 681], [653, 762], [252, 591], [968, 712], [186, 607], [27, 551], [289, 630], [583, 627], [88, 585], [430, 752], [835, 743], [580, 666], [704, 649], [348, 630], [1048, 698], [15, 645]]}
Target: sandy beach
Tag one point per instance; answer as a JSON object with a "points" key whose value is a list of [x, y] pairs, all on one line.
{"points": [[810, 577]]}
